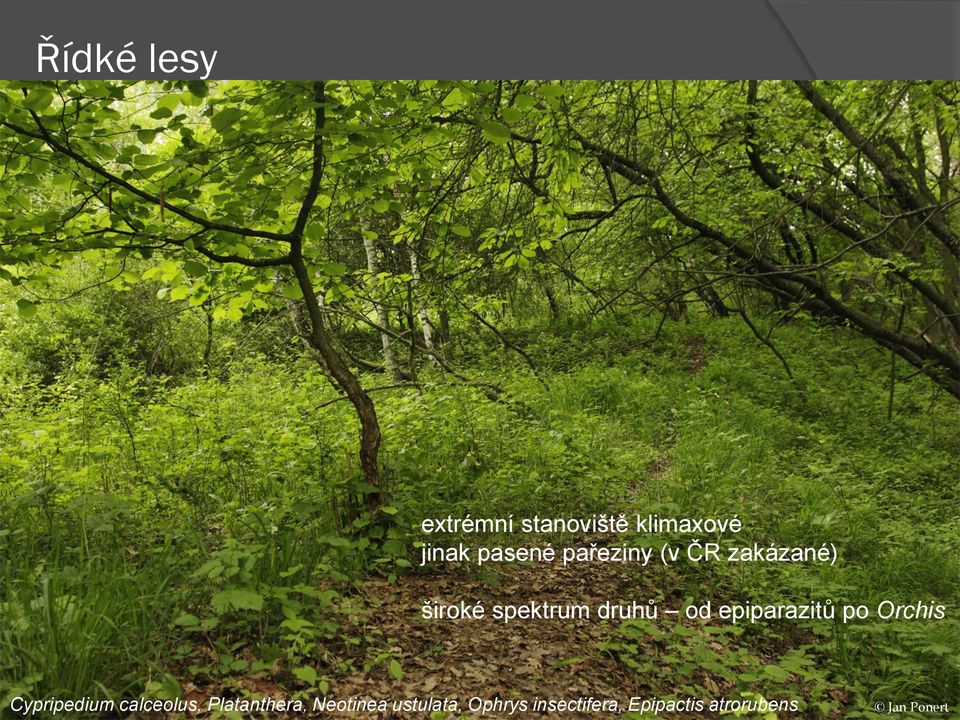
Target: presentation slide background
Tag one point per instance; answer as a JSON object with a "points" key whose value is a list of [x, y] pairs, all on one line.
{"points": [[679, 39]]}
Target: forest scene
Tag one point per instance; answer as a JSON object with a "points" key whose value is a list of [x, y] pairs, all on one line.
{"points": [[254, 333]]}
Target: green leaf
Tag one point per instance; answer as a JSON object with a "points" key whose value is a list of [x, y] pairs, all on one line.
{"points": [[550, 91], [38, 99], [776, 673], [147, 136], [237, 599], [291, 292], [169, 101], [396, 672], [26, 308], [180, 292], [307, 674], [198, 88], [293, 191], [524, 101], [225, 118], [194, 268], [331, 269], [454, 99], [511, 115], [495, 132], [461, 230]]}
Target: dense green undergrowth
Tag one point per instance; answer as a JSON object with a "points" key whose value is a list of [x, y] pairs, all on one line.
{"points": [[208, 526]]}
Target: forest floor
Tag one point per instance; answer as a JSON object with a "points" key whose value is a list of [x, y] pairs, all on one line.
{"points": [[537, 659], [487, 660], [462, 659], [204, 546]]}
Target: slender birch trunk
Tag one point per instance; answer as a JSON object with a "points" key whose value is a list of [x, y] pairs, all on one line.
{"points": [[383, 318], [425, 325]]}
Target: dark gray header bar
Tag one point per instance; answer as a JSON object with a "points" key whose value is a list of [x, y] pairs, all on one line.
{"points": [[445, 39]]}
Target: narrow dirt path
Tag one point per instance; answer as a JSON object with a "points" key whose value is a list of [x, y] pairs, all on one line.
{"points": [[462, 659]]}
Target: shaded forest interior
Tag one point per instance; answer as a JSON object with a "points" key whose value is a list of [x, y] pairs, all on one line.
{"points": [[252, 333]]}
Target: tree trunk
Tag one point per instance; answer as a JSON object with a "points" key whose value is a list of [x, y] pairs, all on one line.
{"points": [[208, 346], [425, 326], [711, 298], [340, 372], [383, 318], [551, 298], [445, 336]]}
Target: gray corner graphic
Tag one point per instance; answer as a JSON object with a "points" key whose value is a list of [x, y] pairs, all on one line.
{"points": [[875, 39]]}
